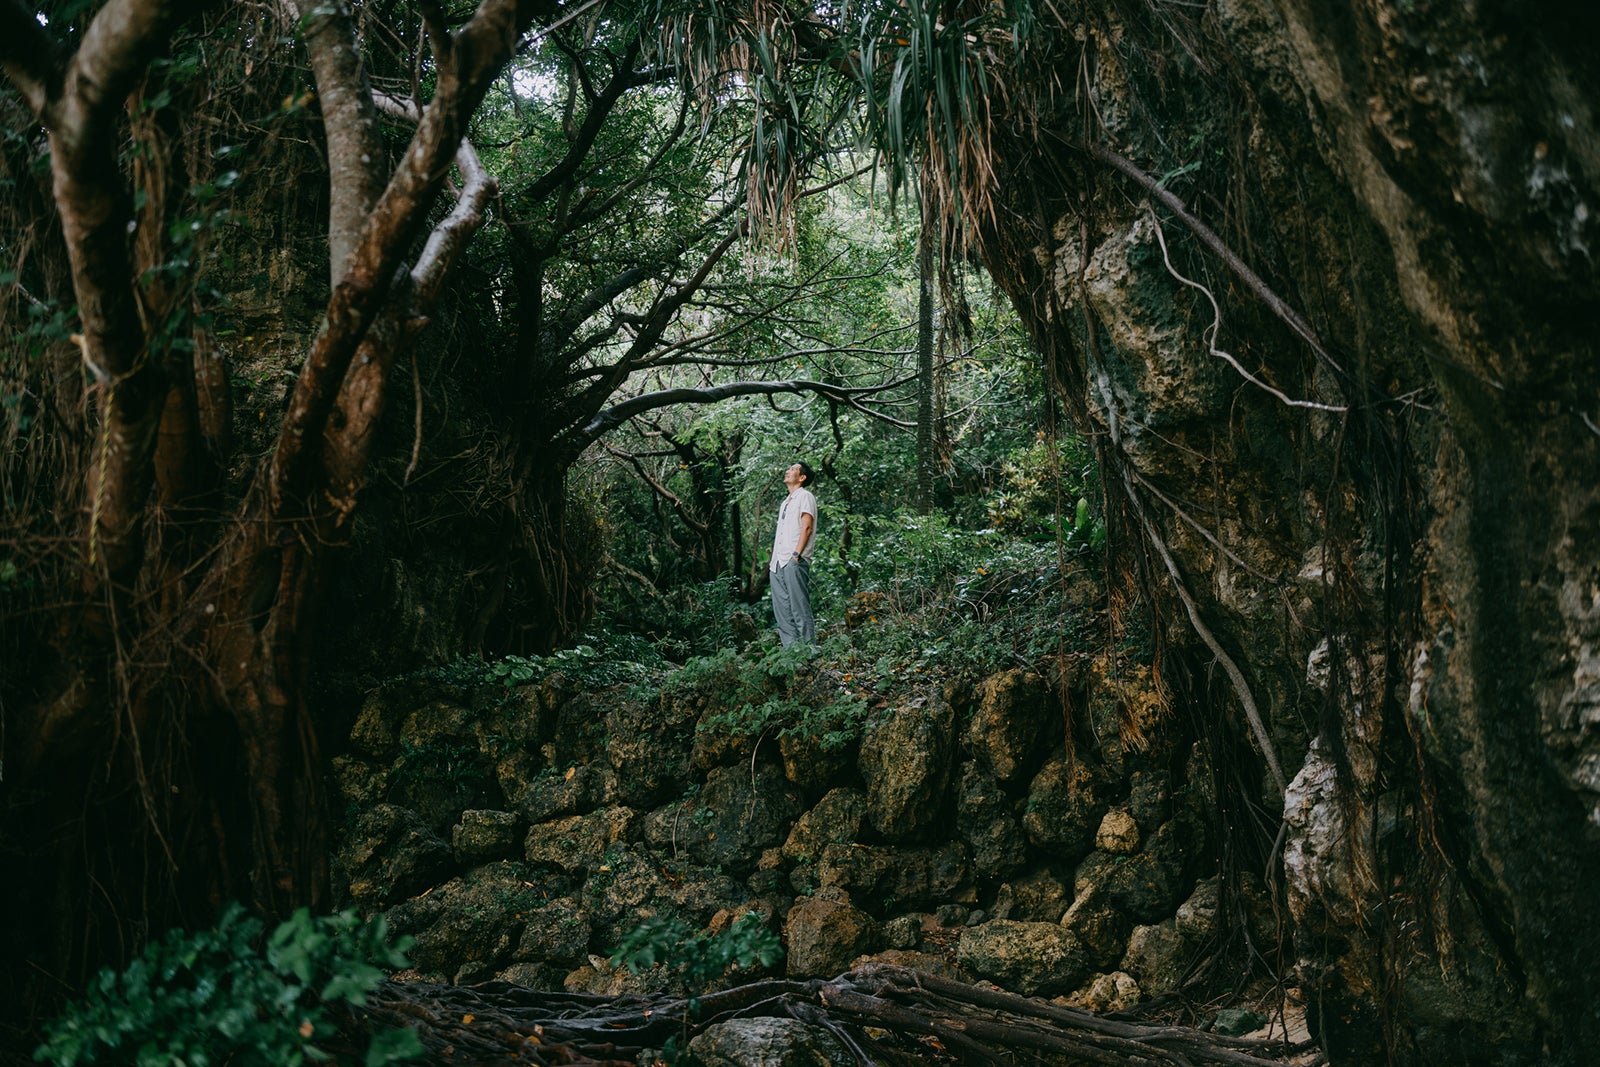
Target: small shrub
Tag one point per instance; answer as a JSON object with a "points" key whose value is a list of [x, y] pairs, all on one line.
{"points": [[221, 996], [752, 695], [698, 959], [600, 661]]}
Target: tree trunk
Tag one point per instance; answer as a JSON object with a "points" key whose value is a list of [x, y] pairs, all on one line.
{"points": [[162, 752], [926, 327]]}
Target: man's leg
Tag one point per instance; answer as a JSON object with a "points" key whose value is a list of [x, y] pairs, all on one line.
{"points": [[800, 603], [782, 609]]}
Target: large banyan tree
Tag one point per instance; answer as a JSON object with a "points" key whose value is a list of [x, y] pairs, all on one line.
{"points": [[1318, 278], [247, 333], [165, 569]]}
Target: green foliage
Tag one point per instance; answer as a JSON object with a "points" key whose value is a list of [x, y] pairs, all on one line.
{"points": [[763, 693], [833, 725], [602, 660], [680, 621], [223, 996], [455, 763], [698, 959]]}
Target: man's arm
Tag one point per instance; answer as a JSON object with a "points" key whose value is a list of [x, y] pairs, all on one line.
{"points": [[807, 523]]}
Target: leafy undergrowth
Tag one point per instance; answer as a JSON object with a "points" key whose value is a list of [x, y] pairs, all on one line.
{"points": [[233, 994]]}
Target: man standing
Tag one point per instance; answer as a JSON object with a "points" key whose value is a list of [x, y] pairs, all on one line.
{"points": [[792, 547]]}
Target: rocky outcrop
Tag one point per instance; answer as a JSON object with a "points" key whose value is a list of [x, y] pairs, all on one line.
{"points": [[938, 847], [1324, 286]]}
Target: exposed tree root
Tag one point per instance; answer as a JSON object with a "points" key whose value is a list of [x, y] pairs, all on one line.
{"points": [[882, 1013]]}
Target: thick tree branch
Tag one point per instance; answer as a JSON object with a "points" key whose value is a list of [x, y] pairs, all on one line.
{"points": [[654, 324], [479, 49], [95, 212], [586, 306], [351, 434], [349, 121], [594, 121], [658, 488]]}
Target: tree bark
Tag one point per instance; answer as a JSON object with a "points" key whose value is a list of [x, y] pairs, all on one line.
{"points": [[925, 383]]}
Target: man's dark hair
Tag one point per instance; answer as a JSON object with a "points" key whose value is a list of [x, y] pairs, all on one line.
{"points": [[805, 469]]}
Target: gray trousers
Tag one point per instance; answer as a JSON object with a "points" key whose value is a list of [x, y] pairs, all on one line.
{"points": [[791, 603]]}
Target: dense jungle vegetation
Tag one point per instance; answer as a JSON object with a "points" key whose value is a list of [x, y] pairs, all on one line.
{"points": [[1224, 369]]}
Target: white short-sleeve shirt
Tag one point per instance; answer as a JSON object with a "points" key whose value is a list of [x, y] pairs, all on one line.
{"points": [[800, 501]]}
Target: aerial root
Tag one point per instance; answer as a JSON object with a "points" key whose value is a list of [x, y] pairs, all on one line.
{"points": [[882, 1013]]}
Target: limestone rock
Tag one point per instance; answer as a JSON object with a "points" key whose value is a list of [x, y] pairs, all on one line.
{"points": [[814, 768], [1012, 717], [359, 782], [984, 821], [377, 729], [906, 760], [762, 1042], [574, 790], [1037, 896], [648, 749], [1118, 834], [1030, 958], [541, 976], [435, 723], [1066, 801], [1148, 885], [554, 932], [835, 820], [734, 818], [442, 769], [1106, 993], [913, 960], [578, 843], [1316, 849], [1102, 929], [824, 936], [579, 731], [634, 884], [1149, 797], [468, 927], [1197, 916], [902, 931], [390, 854], [882, 878], [1158, 956], [484, 835], [601, 977]]}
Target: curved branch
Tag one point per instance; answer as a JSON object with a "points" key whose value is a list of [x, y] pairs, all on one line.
{"points": [[349, 440], [96, 213], [453, 232], [479, 49], [617, 414], [658, 488], [1216, 327], [1241, 687]]}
